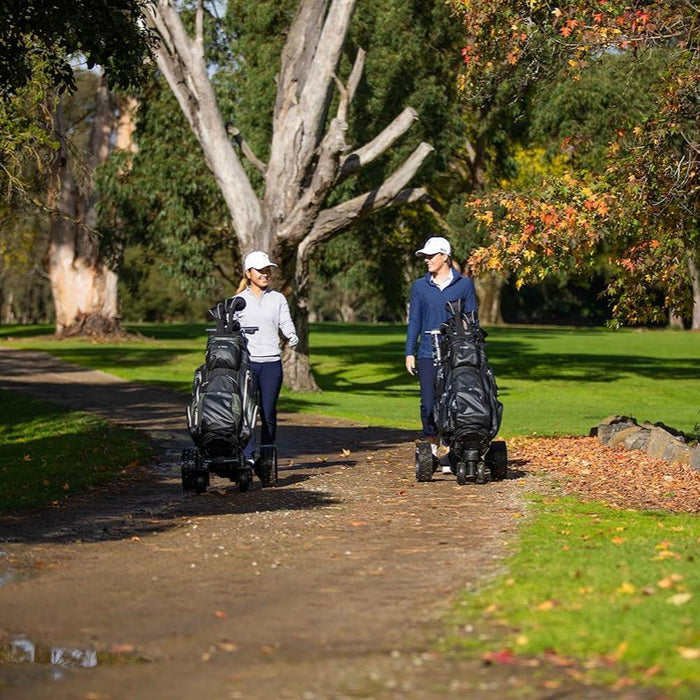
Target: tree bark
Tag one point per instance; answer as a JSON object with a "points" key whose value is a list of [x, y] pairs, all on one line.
{"points": [[84, 289], [307, 158], [695, 284], [488, 292]]}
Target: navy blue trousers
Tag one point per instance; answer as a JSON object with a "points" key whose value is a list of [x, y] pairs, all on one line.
{"points": [[269, 378], [426, 379]]}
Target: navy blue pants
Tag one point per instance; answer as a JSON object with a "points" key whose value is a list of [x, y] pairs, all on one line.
{"points": [[426, 379], [269, 378]]}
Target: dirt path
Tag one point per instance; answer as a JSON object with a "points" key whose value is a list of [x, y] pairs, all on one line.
{"points": [[331, 585]]}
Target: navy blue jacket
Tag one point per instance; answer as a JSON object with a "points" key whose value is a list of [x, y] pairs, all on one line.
{"points": [[427, 310]]}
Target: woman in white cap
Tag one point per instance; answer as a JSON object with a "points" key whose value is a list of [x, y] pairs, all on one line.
{"points": [[429, 294], [269, 312]]}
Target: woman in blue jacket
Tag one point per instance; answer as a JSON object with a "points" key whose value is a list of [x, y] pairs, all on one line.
{"points": [[429, 294]]}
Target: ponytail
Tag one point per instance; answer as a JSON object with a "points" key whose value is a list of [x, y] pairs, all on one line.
{"points": [[242, 285]]}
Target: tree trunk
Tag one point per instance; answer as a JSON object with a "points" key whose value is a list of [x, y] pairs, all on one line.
{"points": [[695, 283], [84, 289], [488, 292]]}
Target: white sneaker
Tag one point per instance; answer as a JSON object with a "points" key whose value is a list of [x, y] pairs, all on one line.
{"points": [[434, 448], [446, 469]]}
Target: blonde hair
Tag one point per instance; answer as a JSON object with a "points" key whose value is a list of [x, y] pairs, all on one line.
{"points": [[242, 285]]}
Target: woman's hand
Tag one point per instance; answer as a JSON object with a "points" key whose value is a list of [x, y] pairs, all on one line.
{"points": [[411, 364]]}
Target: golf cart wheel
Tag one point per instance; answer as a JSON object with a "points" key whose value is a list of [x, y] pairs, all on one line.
{"points": [[244, 480], [201, 474], [187, 470], [424, 462], [497, 460], [268, 465], [481, 472], [461, 473]]}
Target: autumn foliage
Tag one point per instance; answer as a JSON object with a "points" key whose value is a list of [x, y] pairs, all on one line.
{"points": [[617, 477], [644, 209]]}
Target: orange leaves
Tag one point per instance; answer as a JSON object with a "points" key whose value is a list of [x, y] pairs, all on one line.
{"points": [[569, 27], [624, 478]]}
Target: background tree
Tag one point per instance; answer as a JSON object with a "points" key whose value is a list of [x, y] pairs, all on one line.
{"points": [[292, 212], [645, 209], [107, 33], [40, 161]]}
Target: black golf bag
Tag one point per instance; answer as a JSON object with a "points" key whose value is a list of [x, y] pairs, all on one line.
{"points": [[466, 396], [221, 416], [466, 411]]}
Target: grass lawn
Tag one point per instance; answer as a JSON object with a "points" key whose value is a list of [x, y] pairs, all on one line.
{"points": [[49, 452], [553, 381], [618, 588]]}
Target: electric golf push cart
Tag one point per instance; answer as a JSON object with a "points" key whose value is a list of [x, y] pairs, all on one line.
{"points": [[224, 407], [467, 411]]}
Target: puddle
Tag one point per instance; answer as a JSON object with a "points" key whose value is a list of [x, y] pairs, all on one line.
{"points": [[6, 573], [19, 649]]}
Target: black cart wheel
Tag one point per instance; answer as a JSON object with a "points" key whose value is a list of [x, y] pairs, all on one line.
{"points": [[201, 474], [187, 470], [461, 473], [424, 462], [497, 460], [244, 480], [267, 470]]}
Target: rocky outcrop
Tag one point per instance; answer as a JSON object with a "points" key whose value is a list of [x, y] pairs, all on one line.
{"points": [[656, 439]]}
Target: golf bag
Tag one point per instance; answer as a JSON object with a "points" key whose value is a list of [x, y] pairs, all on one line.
{"points": [[223, 411], [466, 396]]}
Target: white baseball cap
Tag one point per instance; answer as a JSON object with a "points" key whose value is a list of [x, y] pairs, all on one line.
{"points": [[258, 260], [437, 244]]}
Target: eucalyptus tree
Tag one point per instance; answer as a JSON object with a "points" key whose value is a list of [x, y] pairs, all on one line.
{"points": [[288, 207]]}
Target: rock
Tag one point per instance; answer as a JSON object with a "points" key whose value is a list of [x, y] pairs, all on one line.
{"points": [[695, 458], [632, 438], [663, 445], [606, 431], [656, 439]]}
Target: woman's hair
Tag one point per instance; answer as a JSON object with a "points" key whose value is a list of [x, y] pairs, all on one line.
{"points": [[242, 284]]}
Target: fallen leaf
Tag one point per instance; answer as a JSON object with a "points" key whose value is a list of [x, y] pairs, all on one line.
{"points": [[689, 652], [622, 647], [679, 598], [551, 684], [122, 649], [345, 453], [626, 589], [546, 605], [220, 614], [226, 646], [504, 656]]}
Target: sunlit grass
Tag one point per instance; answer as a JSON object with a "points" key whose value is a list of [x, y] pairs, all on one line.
{"points": [[616, 588], [553, 381]]}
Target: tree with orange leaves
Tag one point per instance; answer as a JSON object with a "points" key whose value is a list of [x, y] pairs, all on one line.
{"points": [[645, 206]]}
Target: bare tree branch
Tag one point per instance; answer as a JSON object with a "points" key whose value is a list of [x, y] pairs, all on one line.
{"points": [[246, 150], [348, 92], [345, 214], [380, 144]]}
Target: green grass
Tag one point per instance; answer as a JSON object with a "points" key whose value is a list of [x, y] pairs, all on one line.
{"points": [[553, 381], [49, 453], [595, 583]]}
